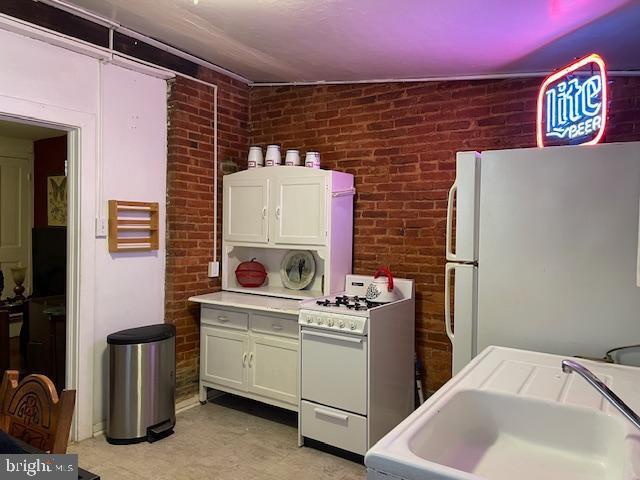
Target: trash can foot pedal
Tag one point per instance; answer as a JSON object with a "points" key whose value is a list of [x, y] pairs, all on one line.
{"points": [[160, 431]]}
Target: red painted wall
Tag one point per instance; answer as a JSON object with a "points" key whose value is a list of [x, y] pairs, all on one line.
{"points": [[49, 156]]}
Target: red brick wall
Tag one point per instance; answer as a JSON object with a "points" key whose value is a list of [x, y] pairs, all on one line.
{"points": [[400, 140], [190, 172]]}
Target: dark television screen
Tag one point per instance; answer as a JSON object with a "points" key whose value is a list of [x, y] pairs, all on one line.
{"points": [[49, 250]]}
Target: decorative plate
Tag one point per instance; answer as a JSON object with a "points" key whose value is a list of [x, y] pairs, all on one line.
{"points": [[297, 269]]}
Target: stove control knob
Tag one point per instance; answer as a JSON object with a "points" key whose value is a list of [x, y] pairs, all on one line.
{"points": [[320, 321], [309, 320], [352, 326], [330, 323], [341, 324]]}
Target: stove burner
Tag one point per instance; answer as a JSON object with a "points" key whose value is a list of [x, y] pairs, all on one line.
{"points": [[351, 303]]}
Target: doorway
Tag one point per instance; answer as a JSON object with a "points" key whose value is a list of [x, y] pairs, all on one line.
{"points": [[33, 249]]}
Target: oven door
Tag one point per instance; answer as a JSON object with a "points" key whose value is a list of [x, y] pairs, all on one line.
{"points": [[334, 369]]}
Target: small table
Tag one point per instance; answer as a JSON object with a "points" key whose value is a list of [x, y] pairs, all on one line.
{"points": [[12, 445]]}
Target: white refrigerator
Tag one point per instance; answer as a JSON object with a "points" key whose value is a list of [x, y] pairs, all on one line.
{"points": [[542, 250]]}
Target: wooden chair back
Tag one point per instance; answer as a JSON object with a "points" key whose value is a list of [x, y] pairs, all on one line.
{"points": [[31, 411]]}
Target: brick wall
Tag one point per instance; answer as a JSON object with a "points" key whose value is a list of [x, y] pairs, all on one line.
{"points": [[190, 168], [400, 140]]}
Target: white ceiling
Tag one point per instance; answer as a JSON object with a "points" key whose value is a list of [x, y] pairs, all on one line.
{"points": [[347, 40], [26, 131]]}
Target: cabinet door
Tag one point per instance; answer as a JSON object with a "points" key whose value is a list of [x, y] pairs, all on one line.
{"points": [[223, 357], [245, 204], [273, 368], [300, 211]]}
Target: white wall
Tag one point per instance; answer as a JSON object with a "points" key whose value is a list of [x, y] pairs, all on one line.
{"points": [[45, 82], [130, 286]]}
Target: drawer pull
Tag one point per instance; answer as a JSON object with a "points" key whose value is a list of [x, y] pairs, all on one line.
{"points": [[275, 326], [341, 338], [327, 413], [223, 319]]}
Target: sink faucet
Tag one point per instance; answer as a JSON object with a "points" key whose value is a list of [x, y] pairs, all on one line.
{"points": [[569, 366]]}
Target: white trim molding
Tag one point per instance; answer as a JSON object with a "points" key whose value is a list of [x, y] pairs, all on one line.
{"points": [[81, 261]]}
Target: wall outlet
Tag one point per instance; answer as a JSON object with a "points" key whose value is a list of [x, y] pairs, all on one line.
{"points": [[101, 227], [214, 269]]}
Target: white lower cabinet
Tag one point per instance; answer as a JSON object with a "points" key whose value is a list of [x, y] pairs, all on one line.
{"points": [[257, 359], [223, 357], [273, 368]]}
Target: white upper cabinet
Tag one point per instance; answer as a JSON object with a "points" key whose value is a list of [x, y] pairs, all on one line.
{"points": [[271, 211], [300, 211], [246, 205]]}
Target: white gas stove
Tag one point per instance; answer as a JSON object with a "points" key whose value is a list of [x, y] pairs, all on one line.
{"points": [[356, 365]]}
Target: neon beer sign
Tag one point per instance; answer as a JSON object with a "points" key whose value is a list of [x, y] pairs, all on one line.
{"points": [[572, 104]]}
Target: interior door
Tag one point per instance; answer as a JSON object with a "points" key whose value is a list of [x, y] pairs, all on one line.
{"points": [[273, 368], [246, 203], [223, 357], [15, 219], [300, 211]]}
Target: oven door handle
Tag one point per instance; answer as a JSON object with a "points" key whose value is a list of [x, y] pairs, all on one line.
{"points": [[341, 338]]}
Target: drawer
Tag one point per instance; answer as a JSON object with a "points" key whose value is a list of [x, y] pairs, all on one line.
{"points": [[334, 427], [273, 325], [224, 318]]}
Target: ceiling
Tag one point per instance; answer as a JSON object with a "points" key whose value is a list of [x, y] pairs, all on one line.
{"points": [[352, 40], [26, 131]]}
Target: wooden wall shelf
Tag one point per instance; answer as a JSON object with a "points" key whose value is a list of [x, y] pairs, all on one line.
{"points": [[133, 226]]}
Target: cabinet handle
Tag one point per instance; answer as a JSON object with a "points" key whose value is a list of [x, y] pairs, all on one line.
{"points": [[222, 318], [244, 359], [275, 326], [278, 212], [326, 413], [250, 359], [264, 212], [341, 338]]}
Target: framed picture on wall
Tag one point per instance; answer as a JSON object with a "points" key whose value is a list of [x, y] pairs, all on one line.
{"points": [[57, 201]]}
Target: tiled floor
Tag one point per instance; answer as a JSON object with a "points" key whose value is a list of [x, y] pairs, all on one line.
{"points": [[229, 438]]}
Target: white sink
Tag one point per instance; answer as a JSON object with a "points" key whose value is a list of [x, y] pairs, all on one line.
{"points": [[514, 415], [492, 435]]}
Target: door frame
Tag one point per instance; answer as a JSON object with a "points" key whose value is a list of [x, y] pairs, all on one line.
{"points": [[82, 157]]}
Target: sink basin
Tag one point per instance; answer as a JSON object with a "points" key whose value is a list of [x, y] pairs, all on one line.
{"points": [[503, 437], [514, 415]]}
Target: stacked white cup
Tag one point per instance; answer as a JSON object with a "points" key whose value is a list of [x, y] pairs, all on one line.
{"points": [[312, 160], [292, 158], [273, 157], [255, 159]]}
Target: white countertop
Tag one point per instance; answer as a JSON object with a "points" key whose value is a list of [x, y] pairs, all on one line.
{"points": [[247, 300]]}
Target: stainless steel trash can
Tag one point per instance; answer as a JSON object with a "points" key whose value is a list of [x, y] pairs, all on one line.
{"points": [[142, 384]]}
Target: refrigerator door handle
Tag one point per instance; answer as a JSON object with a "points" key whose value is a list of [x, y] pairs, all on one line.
{"points": [[451, 256], [449, 268]]}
